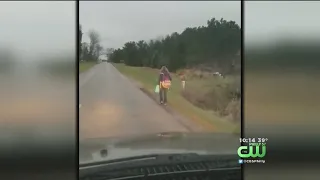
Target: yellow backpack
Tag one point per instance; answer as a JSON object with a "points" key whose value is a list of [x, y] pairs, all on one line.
{"points": [[166, 83]]}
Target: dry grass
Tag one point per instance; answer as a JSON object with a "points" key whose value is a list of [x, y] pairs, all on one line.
{"points": [[281, 97], [214, 93]]}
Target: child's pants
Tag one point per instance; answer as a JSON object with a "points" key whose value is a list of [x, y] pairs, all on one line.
{"points": [[163, 95]]}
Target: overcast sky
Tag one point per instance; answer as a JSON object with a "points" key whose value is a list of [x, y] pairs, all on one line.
{"points": [[34, 27], [266, 21], [119, 22], [38, 27]]}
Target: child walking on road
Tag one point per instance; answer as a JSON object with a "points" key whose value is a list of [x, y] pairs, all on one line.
{"points": [[164, 84]]}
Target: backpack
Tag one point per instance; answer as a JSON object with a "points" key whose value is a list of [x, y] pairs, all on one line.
{"points": [[166, 83]]}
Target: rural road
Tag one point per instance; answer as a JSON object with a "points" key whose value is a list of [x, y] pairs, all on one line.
{"points": [[112, 105]]}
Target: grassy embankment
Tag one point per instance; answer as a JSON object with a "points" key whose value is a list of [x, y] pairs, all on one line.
{"points": [[83, 66], [209, 119]]}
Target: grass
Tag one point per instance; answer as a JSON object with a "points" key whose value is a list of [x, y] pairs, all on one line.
{"points": [[83, 66], [281, 98], [148, 78]]}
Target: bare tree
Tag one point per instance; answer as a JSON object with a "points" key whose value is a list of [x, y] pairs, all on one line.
{"points": [[80, 41], [98, 50], [94, 42], [85, 51], [109, 52]]}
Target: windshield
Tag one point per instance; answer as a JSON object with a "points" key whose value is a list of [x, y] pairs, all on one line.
{"points": [[148, 68]]}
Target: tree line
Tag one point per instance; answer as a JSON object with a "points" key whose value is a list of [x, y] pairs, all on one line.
{"points": [[217, 43], [92, 50]]}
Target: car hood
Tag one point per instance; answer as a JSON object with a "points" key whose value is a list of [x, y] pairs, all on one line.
{"points": [[103, 149]]}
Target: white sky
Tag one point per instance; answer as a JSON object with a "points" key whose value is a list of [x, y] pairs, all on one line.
{"points": [[119, 22], [34, 28], [266, 21], [40, 27]]}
